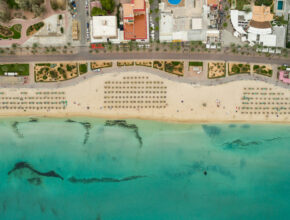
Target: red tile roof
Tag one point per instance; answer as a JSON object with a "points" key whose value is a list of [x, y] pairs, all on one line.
{"points": [[136, 30]]}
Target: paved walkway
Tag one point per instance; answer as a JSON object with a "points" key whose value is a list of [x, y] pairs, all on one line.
{"points": [[189, 80], [26, 23]]}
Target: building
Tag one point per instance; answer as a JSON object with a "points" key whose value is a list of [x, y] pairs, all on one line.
{"points": [[186, 21], [104, 29], [284, 75], [135, 20], [255, 27]]}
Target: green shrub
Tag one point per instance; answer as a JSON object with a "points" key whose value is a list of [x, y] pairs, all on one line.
{"points": [[98, 12]]}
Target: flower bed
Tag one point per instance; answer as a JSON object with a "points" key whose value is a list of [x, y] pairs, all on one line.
{"points": [[216, 70], [46, 72], [34, 28], [239, 68], [100, 64], [265, 70]]}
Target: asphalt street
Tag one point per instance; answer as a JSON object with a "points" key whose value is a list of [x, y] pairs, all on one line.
{"points": [[85, 55]]}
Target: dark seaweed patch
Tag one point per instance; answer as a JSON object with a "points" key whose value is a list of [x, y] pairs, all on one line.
{"points": [[239, 144], [35, 181], [23, 165], [102, 180], [87, 126], [211, 130], [232, 126], [33, 120], [16, 129], [245, 126], [124, 124], [201, 167]]}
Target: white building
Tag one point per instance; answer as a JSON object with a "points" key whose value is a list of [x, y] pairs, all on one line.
{"points": [[256, 28], [104, 29]]}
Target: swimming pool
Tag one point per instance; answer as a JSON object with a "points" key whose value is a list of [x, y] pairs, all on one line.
{"points": [[174, 2], [280, 5]]}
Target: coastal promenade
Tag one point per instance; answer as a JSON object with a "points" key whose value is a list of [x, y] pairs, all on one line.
{"points": [[85, 55], [187, 80]]}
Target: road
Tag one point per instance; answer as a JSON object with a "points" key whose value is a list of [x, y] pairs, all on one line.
{"points": [[84, 55]]}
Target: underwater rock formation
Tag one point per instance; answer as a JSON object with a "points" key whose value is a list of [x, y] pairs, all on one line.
{"points": [[124, 124], [102, 180], [24, 165]]}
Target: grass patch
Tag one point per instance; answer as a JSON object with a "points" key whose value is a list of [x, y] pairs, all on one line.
{"points": [[13, 32], [195, 64], [83, 68], [21, 69]]}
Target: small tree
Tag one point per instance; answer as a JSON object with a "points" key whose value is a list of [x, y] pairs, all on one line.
{"points": [[108, 5]]}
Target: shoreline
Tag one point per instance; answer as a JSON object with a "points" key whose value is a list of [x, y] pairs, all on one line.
{"points": [[163, 120]]}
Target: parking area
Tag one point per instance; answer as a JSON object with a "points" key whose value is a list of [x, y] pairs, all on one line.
{"points": [[82, 15]]}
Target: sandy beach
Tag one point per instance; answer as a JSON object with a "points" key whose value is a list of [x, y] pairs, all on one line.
{"points": [[148, 96]]}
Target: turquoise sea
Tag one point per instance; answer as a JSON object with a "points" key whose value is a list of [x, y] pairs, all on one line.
{"points": [[93, 169]]}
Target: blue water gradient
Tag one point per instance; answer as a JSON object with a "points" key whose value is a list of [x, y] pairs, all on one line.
{"points": [[181, 171]]}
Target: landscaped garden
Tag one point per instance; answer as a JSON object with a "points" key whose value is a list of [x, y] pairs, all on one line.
{"points": [[13, 32], [239, 68], [34, 28], [83, 68], [265, 70], [100, 64], [52, 72], [216, 70], [158, 65], [143, 63], [21, 69], [125, 63], [174, 67]]}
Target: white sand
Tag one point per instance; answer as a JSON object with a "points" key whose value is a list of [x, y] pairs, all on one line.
{"points": [[199, 102]]}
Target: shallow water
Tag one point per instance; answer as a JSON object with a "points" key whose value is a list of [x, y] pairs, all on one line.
{"points": [[142, 170]]}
